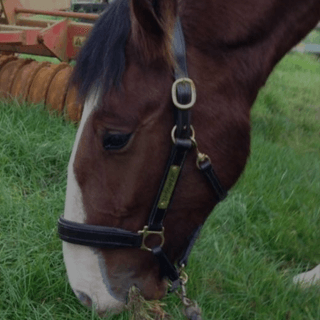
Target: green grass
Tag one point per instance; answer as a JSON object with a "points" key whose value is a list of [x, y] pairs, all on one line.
{"points": [[313, 37], [39, 58], [254, 242]]}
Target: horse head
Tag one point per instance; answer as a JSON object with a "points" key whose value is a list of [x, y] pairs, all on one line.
{"points": [[125, 75]]}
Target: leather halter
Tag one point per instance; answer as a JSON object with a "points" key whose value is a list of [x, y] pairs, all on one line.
{"points": [[183, 137]]}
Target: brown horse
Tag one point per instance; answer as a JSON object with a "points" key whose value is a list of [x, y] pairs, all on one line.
{"points": [[125, 75]]}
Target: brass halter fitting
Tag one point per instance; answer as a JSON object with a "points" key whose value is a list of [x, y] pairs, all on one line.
{"points": [[183, 81], [173, 134], [201, 157], [146, 233], [191, 308]]}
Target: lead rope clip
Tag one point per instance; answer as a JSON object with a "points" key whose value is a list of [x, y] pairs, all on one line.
{"points": [[191, 309], [201, 157]]}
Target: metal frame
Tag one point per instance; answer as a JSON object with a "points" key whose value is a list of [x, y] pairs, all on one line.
{"points": [[22, 32]]}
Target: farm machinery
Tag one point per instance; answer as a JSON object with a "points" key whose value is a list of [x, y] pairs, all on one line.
{"points": [[47, 28], [43, 28]]}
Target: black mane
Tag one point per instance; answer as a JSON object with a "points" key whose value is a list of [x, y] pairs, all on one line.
{"points": [[101, 61]]}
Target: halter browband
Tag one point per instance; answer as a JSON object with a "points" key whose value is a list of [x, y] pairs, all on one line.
{"points": [[183, 137]]}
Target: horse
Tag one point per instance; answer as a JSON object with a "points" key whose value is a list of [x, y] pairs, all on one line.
{"points": [[144, 67]]}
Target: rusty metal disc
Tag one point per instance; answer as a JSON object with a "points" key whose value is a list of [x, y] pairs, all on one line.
{"points": [[57, 91], [73, 106], [41, 82], [4, 59], [21, 77], [7, 75], [24, 79]]}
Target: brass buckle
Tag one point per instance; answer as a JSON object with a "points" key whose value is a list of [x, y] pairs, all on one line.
{"points": [[146, 232], [174, 93]]}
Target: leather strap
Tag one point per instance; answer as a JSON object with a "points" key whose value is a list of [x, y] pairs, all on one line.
{"points": [[179, 49], [192, 240], [183, 90], [177, 158], [167, 269], [97, 236], [182, 133], [207, 169], [180, 149]]}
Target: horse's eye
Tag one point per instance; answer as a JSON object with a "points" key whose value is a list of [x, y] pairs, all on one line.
{"points": [[115, 141]]}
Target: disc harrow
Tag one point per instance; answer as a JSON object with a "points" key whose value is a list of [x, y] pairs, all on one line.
{"points": [[22, 30], [40, 82]]}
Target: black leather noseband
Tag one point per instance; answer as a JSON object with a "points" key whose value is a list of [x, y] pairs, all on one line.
{"points": [[184, 97]]}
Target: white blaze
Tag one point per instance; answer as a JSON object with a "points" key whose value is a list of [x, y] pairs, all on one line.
{"points": [[85, 268]]}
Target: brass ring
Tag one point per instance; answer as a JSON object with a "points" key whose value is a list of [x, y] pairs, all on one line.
{"points": [[145, 232], [192, 138]]}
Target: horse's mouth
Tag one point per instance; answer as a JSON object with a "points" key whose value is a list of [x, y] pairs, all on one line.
{"points": [[141, 308], [157, 292]]}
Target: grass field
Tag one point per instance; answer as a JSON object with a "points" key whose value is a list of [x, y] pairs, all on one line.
{"points": [[264, 233]]}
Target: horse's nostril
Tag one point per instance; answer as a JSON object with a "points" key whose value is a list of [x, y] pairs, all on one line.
{"points": [[84, 298]]}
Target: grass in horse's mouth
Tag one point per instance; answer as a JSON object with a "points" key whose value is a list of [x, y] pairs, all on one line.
{"points": [[141, 309]]}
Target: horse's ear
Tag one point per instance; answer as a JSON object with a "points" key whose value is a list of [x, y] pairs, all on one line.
{"points": [[152, 26], [147, 14]]}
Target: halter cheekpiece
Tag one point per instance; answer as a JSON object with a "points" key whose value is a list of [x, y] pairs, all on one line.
{"points": [[183, 139]]}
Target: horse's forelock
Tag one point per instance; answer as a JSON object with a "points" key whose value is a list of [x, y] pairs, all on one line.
{"points": [[101, 61]]}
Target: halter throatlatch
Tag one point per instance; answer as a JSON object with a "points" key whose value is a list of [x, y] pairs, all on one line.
{"points": [[183, 138]]}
